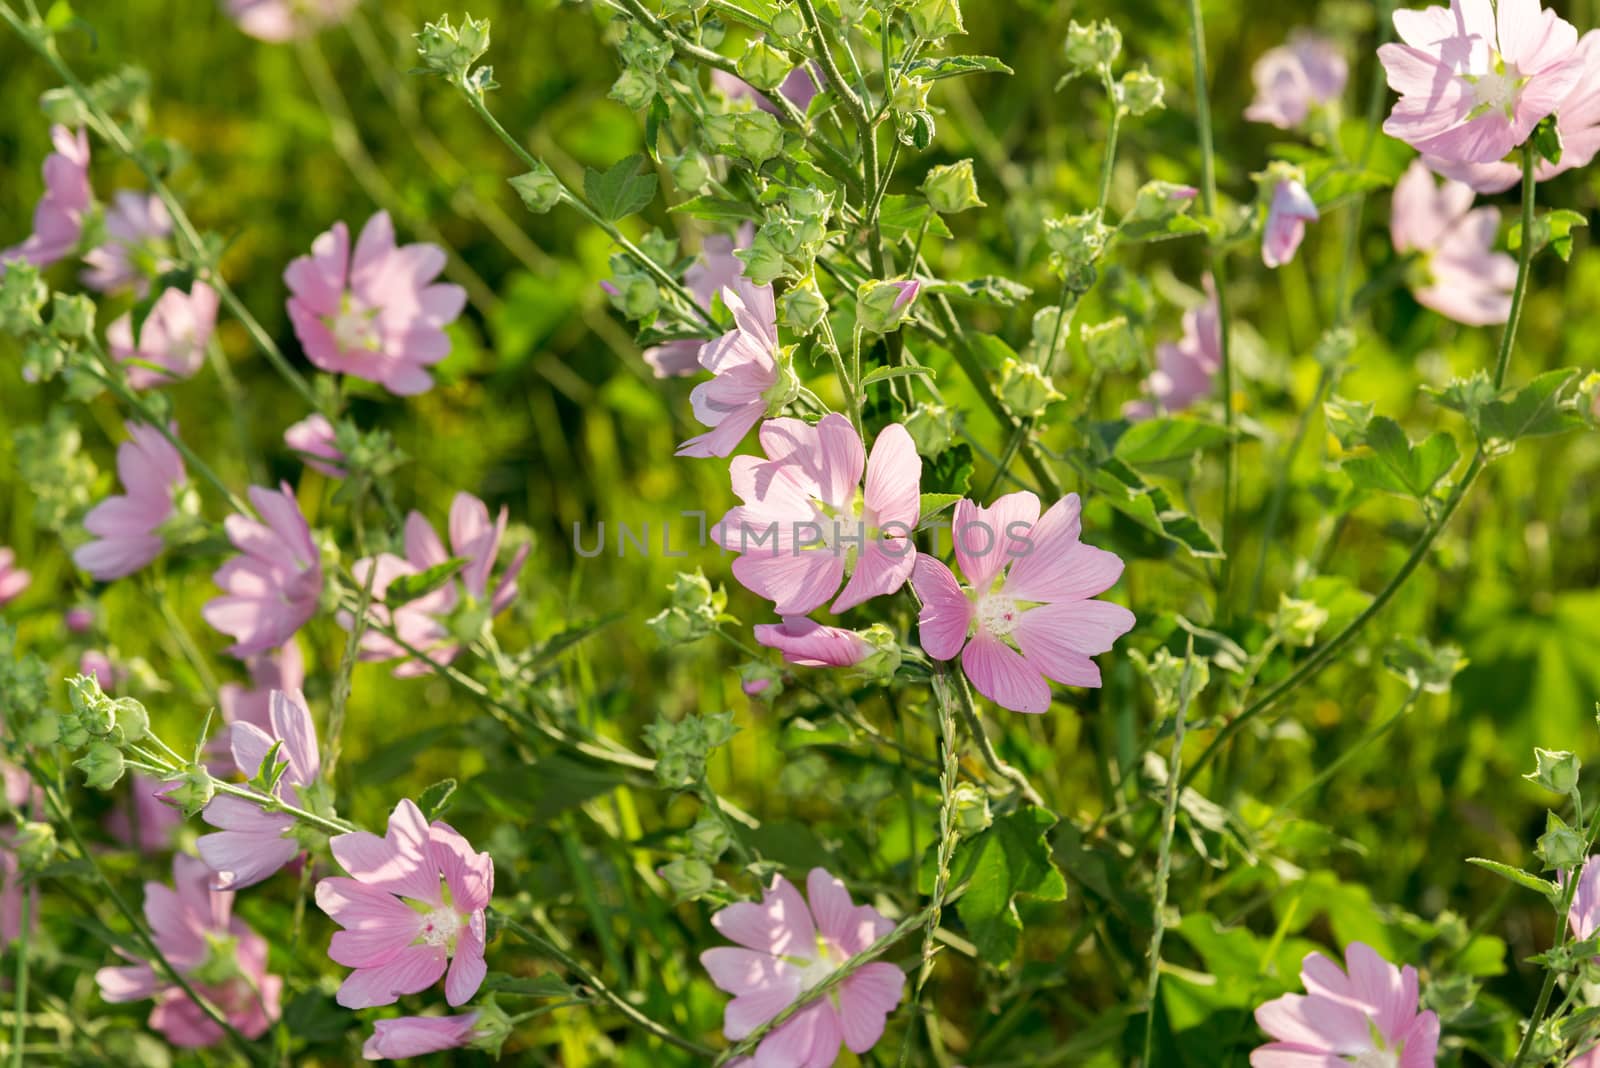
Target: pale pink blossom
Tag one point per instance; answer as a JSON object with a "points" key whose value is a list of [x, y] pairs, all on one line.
{"points": [[251, 843], [137, 229], [376, 313], [807, 522], [1584, 916], [1185, 369], [79, 618], [97, 665], [414, 905], [1577, 120], [144, 821], [715, 269], [127, 527], [272, 669], [1460, 276], [1475, 78], [173, 337], [748, 382], [1026, 614], [276, 21], [11, 891], [799, 87], [272, 587], [220, 956], [58, 217], [785, 948], [424, 622], [414, 1036], [1364, 1013], [1293, 78], [1291, 208], [13, 579], [313, 436], [807, 643]]}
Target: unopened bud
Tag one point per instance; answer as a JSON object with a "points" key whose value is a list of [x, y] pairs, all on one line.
{"points": [[1297, 621], [763, 66], [34, 845], [709, 838], [803, 307], [102, 766], [690, 878], [1560, 846], [1025, 389], [934, 19], [1557, 770], [449, 51], [72, 315], [1140, 92], [882, 306], [132, 720], [951, 188], [1088, 48], [192, 792], [971, 809]]}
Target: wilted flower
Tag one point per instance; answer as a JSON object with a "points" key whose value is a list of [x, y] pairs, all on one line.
{"points": [[749, 382], [1184, 368], [376, 314], [806, 521], [1291, 208], [314, 436], [13, 579], [415, 903], [1033, 622], [277, 21], [217, 953], [1460, 276], [1365, 1013], [137, 228], [58, 217], [424, 623], [1294, 78], [127, 526], [1474, 80], [272, 587], [785, 948], [173, 337], [252, 843]]}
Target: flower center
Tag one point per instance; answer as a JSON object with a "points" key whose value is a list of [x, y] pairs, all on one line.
{"points": [[440, 927], [998, 614], [828, 959], [1498, 89], [354, 328], [1376, 1058]]}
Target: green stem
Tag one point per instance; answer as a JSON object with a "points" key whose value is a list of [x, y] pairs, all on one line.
{"points": [[20, 1006], [1508, 337]]}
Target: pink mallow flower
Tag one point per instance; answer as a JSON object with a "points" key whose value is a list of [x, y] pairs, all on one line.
{"points": [[58, 217], [424, 623], [173, 337], [749, 382], [145, 821], [414, 1036], [376, 314], [806, 521], [13, 579], [413, 905], [220, 956], [1363, 1014], [277, 21], [1291, 208], [807, 643], [1026, 613], [1185, 369], [1459, 275], [313, 436], [1293, 78], [272, 587], [127, 527], [1577, 120], [1475, 78], [715, 269], [251, 843], [274, 669], [135, 250], [785, 948], [1584, 916]]}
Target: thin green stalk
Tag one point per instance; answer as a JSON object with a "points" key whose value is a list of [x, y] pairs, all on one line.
{"points": [[1508, 337], [1169, 825], [1208, 203], [20, 1006], [1013, 775]]}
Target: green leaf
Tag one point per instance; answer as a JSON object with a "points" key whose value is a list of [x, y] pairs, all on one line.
{"points": [[436, 798], [883, 374], [1552, 229], [1155, 441], [1009, 860], [901, 215], [1466, 395], [1151, 508], [1397, 466], [1137, 231], [621, 191], [955, 66], [535, 986], [1534, 411], [716, 209], [1347, 420], [409, 587], [990, 289], [1517, 875], [932, 504]]}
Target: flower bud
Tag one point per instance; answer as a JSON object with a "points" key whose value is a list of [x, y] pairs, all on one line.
{"points": [[910, 94], [971, 809], [1560, 846], [539, 189], [932, 428], [1140, 92], [754, 136], [1165, 674], [132, 719], [22, 297], [634, 293], [882, 306], [763, 261], [492, 1027], [1110, 346], [693, 611], [34, 845], [193, 791], [883, 661], [72, 315], [450, 52], [787, 24], [951, 188], [1089, 48], [689, 878], [102, 766], [689, 172], [94, 711], [936, 18], [1557, 770], [1025, 389], [1161, 200], [760, 681], [682, 748], [1076, 242], [709, 838], [803, 307], [763, 66], [634, 88], [1297, 621]]}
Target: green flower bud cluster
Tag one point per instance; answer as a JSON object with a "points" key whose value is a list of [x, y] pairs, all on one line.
{"points": [[56, 470], [753, 136], [788, 242], [695, 609], [1076, 242], [932, 428], [1025, 389], [451, 51], [683, 748]]}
